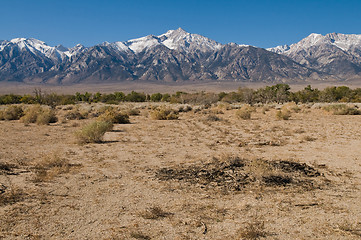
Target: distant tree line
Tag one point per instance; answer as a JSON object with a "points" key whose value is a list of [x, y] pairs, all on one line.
{"points": [[278, 93]]}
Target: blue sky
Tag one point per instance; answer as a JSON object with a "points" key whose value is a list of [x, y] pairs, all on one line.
{"points": [[263, 23]]}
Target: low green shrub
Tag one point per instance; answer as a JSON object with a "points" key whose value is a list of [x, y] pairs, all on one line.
{"points": [[213, 118], [75, 114], [164, 113], [245, 112], [283, 114], [342, 109], [186, 108], [133, 112], [12, 113], [93, 132], [46, 116], [39, 115], [114, 116]]}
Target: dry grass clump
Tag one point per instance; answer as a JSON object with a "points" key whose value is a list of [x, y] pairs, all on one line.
{"points": [[10, 196], [213, 118], [139, 235], [39, 115], [283, 114], [265, 109], [164, 113], [7, 168], [133, 112], [31, 114], [114, 116], [75, 114], [352, 228], [309, 138], [46, 116], [155, 213], [11, 113], [50, 166], [93, 132], [291, 106], [253, 230], [245, 112], [186, 108], [259, 168], [342, 109]]}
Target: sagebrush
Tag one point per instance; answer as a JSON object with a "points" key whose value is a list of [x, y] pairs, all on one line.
{"points": [[93, 132]]}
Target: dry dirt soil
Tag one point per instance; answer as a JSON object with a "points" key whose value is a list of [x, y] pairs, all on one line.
{"points": [[207, 175]]}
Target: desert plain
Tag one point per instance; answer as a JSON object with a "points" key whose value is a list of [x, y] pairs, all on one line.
{"points": [[206, 175]]}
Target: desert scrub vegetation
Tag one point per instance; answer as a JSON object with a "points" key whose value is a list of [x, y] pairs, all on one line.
{"points": [[286, 110], [186, 108], [39, 115], [114, 116], [245, 112], [11, 113], [155, 213], [10, 195], [283, 114], [342, 109], [292, 107], [164, 113], [232, 173], [252, 230], [279, 93], [133, 112], [50, 166], [75, 114], [213, 118], [353, 228], [93, 132]]}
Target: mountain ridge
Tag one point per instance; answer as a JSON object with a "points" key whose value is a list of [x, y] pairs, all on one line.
{"points": [[181, 56], [335, 53]]}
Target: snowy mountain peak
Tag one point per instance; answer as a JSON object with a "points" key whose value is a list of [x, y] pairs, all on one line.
{"points": [[30, 42], [37, 47], [40, 48], [180, 32], [342, 41], [183, 41], [120, 46], [17, 40], [77, 49], [139, 44], [280, 49], [61, 48]]}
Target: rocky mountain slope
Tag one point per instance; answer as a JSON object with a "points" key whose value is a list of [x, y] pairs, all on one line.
{"points": [[336, 54], [180, 56]]}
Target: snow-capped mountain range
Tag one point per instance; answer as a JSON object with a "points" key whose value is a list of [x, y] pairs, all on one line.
{"points": [[181, 56], [334, 53]]}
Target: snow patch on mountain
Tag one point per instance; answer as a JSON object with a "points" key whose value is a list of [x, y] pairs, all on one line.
{"points": [[183, 41], [342, 41], [139, 44], [57, 54], [120, 46], [77, 49]]}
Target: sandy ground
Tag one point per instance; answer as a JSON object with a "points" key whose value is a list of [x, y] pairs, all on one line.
{"points": [[114, 190]]}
